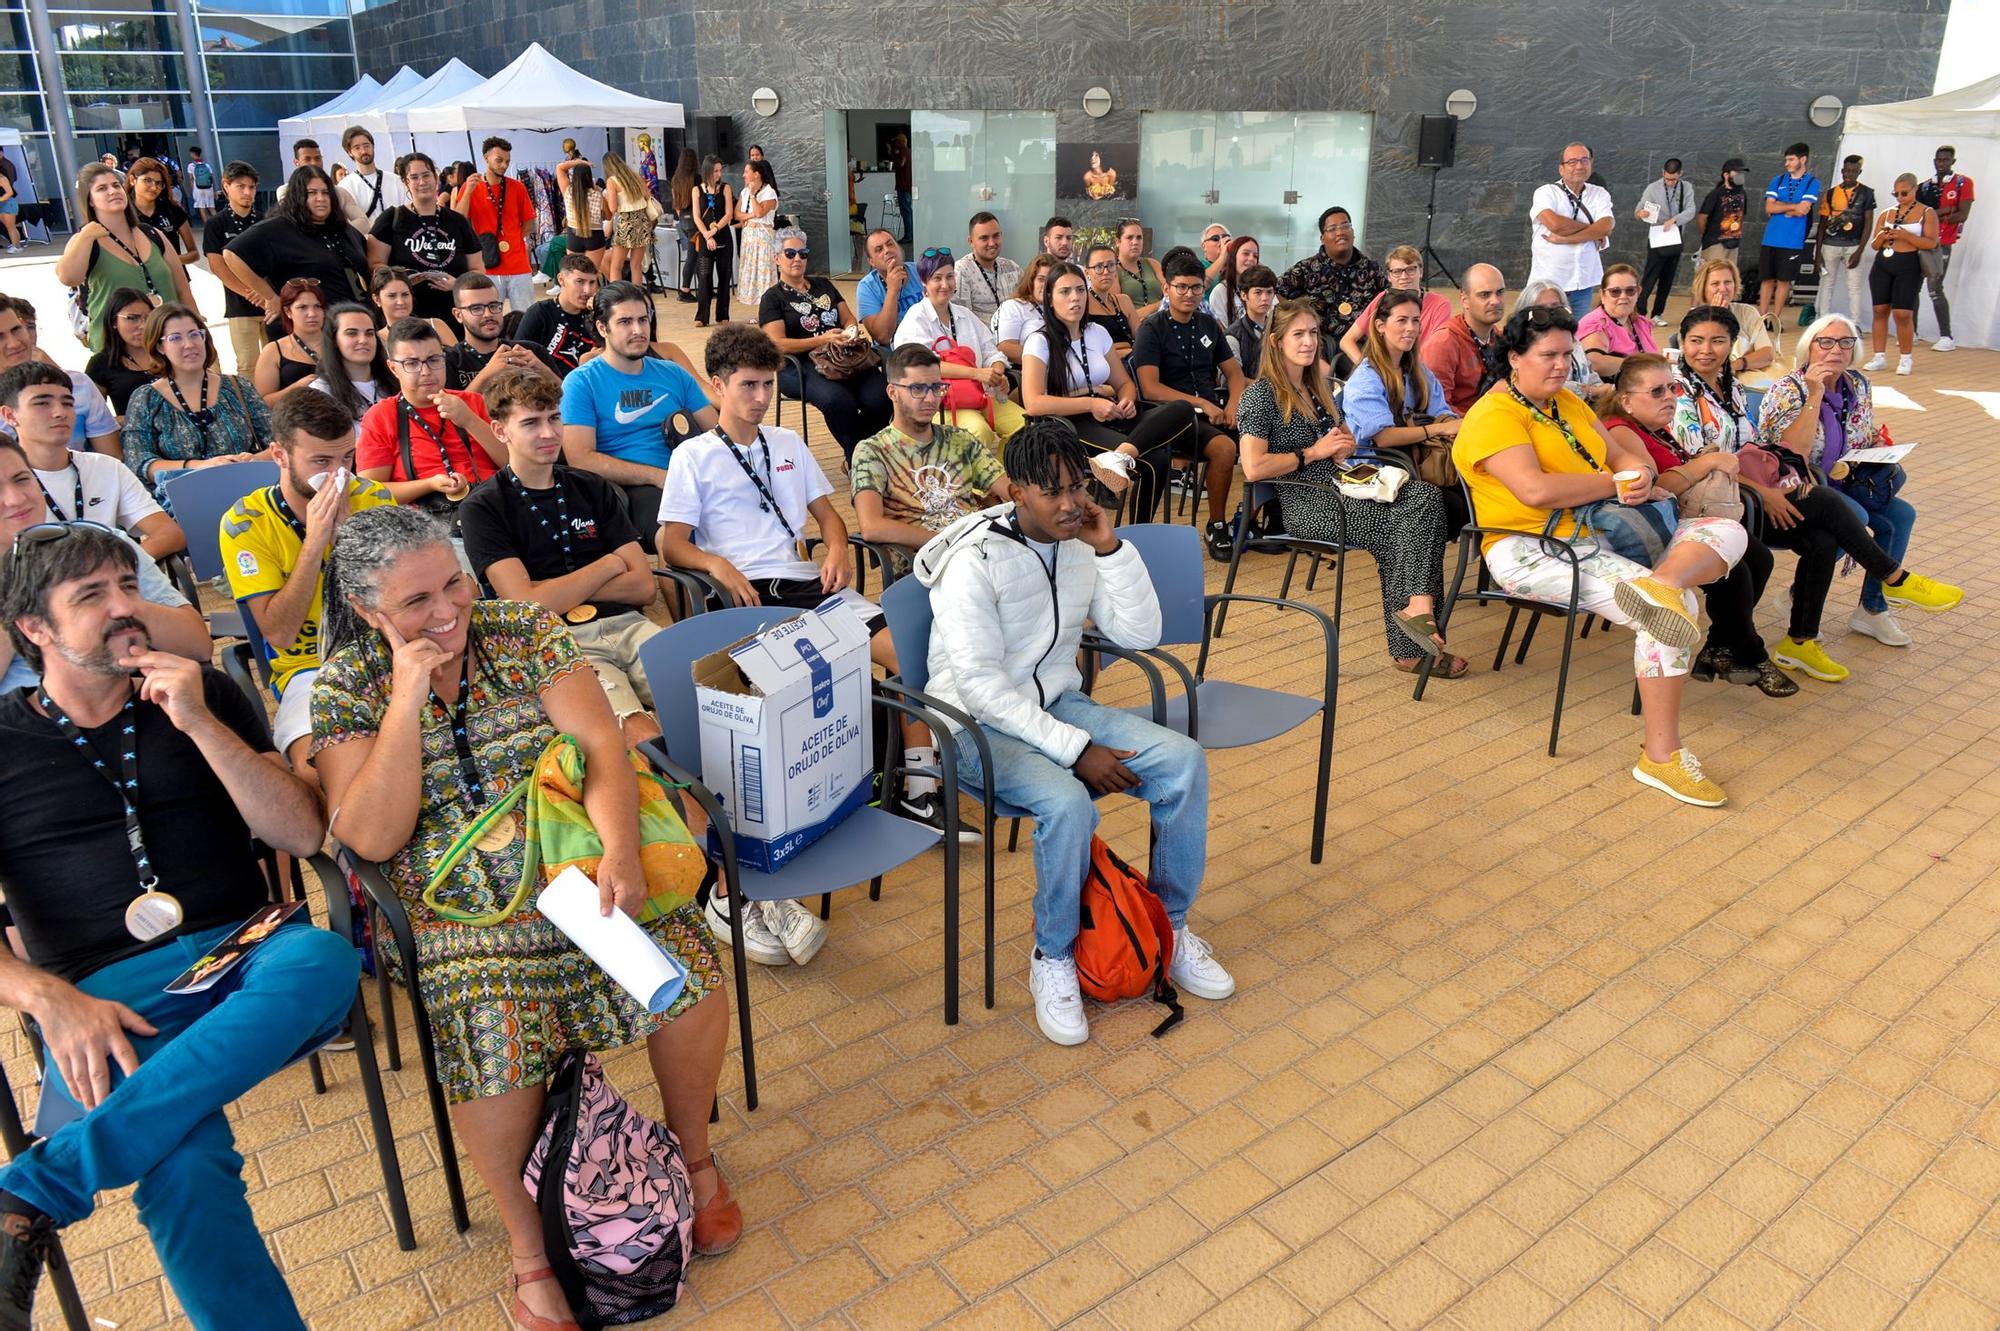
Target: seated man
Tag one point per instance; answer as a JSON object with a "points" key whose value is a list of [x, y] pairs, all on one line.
{"points": [[917, 477], [275, 540], [126, 858], [174, 625], [617, 410], [38, 405], [736, 506], [1246, 335], [888, 290], [427, 440], [562, 325], [96, 428], [1181, 354], [1456, 353], [544, 532], [482, 314], [1004, 650]]}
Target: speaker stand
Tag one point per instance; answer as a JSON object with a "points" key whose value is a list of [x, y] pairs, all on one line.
{"points": [[1432, 259]]}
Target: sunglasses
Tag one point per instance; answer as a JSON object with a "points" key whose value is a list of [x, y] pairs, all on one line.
{"points": [[936, 252], [1621, 291], [43, 533], [1549, 316], [795, 253], [1658, 391]]}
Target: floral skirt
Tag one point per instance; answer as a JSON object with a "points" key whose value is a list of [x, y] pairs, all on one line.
{"points": [[757, 265]]}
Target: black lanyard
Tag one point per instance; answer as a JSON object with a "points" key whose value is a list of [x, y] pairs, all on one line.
{"points": [[77, 477], [202, 417], [768, 502], [375, 204], [1569, 436], [124, 783], [560, 528], [992, 287], [1145, 292], [283, 508], [137, 262], [468, 768], [1577, 211], [411, 414], [497, 205]]}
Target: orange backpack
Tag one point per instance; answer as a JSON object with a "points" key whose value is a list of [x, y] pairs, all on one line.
{"points": [[1125, 945]]}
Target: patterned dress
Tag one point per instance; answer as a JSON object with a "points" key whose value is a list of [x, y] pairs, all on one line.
{"points": [[504, 1000]]}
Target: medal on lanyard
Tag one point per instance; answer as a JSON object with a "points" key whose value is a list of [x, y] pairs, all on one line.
{"points": [[152, 913]]}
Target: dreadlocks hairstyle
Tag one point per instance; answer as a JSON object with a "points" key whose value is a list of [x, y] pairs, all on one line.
{"points": [[369, 544], [1042, 450], [1712, 314]]}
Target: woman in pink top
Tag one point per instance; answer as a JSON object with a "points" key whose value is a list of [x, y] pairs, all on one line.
{"points": [[1406, 272], [1613, 329]]}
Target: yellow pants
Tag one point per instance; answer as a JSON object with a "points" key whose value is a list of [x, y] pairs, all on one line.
{"points": [[1007, 418]]}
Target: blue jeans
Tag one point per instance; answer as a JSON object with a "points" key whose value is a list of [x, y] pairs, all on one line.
{"points": [[904, 200], [1173, 772], [163, 1126], [1891, 519], [1579, 300]]}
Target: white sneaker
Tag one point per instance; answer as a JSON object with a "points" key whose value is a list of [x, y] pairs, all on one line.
{"points": [[1195, 970], [1878, 361], [1058, 1002], [1659, 321], [799, 930], [759, 943], [1944, 344], [1903, 364], [1882, 627]]}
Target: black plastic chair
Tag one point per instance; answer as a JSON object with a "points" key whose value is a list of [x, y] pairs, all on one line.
{"points": [[17, 1139], [798, 367]]}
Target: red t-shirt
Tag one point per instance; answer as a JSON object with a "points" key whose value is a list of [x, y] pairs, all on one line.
{"points": [[377, 445], [519, 210], [1664, 458]]}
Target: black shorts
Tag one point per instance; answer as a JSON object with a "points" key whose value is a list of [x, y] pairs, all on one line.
{"points": [[805, 594], [582, 244], [1896, 280], [1776, 265]]}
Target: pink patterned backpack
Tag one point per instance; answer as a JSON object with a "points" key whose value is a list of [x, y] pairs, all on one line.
{"points": [[619, 1224]]}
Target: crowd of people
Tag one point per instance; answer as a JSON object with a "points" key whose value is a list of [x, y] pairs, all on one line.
{"points": [[474, 488]]}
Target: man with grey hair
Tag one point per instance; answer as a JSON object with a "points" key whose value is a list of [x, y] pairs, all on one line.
{"points": [[1570, 223], [1456, 352]]}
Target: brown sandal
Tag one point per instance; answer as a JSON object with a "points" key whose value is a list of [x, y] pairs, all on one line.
{"points": [[1458, 667], [528, 1321], [719, 1224]]}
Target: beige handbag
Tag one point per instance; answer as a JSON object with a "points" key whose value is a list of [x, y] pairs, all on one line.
{"points": [[1713, 496]]}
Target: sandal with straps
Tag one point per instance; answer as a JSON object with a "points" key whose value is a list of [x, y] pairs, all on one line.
{"points": [[718, 1225], [1423, 631], [531, 1321]]}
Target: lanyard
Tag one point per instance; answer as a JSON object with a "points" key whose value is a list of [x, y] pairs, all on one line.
{"points": [[1145, 292], [1577, 211], [560, 528], [283, 508], [124, 783], [77, 477], [1569, 436], [468, 768], [768, 502], [992, 287], [411, 414], [499, 218], [202, 417], [137, 262]]}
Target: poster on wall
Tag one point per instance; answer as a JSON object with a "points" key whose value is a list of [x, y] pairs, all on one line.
{"points": [[1097, 171]]}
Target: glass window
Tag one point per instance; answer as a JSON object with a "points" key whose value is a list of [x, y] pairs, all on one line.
{"points": [[123, 72], [223, 34], [261, 150], [260, 73], [102, 31], [21, 111], [290, 8], [14, 34], [261, 111], [132, 112], [18, 71]]}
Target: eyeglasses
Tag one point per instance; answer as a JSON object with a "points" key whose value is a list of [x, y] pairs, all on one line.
{"points": [[1577, 161], [921, 390], [1103, 267], [1333, 228], [1621, 291], [1836, 343], [795, 254], [44, 532], [483, 307], [414, 365], [1404, 270], [196, 336], [936, 252], [1184, 288], [1658, 391]]}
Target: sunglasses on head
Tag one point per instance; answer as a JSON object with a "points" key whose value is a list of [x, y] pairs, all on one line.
{"points": [[936, 252], [42, 533]]}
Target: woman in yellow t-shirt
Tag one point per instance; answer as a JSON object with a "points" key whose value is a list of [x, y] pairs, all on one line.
{"points": [[1531, 452]]}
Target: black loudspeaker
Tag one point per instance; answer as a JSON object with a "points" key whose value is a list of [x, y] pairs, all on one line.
{"points": [[716, 135], [1437, 141]]}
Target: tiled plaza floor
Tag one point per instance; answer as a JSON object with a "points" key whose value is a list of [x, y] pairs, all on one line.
{"points": [[1533, 1046]]}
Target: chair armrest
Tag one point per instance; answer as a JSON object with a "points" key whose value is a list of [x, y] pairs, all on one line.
{"points": [[180, 571], [696, 588], [375, 886], [1321, 487], [967, 726], [1329, 631], [1144, 659], [873, 553], [333, 883], [654, 751]]}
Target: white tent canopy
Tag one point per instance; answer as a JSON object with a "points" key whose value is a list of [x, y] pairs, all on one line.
{"points": [[1903, 136], [364, 91], [326, 126], [452, 79], [538, 91]]}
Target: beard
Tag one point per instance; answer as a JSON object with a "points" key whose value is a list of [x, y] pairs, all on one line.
{"points": [[100, 659]]}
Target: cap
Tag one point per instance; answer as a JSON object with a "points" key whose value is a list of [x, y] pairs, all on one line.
{"points": [[1734, 164]]}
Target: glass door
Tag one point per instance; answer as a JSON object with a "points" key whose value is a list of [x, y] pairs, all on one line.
{"points": [[839, 249], [1330, 167], [945, 174], [1016, 181], [1177, 176]]}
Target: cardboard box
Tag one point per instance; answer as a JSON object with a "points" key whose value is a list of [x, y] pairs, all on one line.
{"points": [[787, 735]]}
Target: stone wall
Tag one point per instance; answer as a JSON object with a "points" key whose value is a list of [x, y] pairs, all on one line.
{"points": [[1699, 79]]}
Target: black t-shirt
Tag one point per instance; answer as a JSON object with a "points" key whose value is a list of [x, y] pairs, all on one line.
{"points": [[64, 862], [107, 369], [168, 218], [440, 243], [565, 338], [278, 250], [816, 312], [463, 362], [1188, 355], [223, 226], [1724, 210], [497, 524]]}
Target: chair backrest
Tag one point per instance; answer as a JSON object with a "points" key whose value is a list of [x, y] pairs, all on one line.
{"points": [[1174, 560], [201, 497], [668, 656], [906, 604]]}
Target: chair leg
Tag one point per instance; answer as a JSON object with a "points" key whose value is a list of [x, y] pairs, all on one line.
{"points": [[987, 846], [1285, 588], [1312, 572], [1014, 836], [385, 992], [63, 1280], [1562, 685], [454, 1181], [1339, 586], [1534, 622], [875, 888], [318, 1074], [1444, 614], [1588, 622], [378, 1119], [1635, 697], [1506, 636]]}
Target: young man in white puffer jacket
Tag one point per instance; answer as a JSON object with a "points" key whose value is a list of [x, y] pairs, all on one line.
{"points": [[1010, 589]]}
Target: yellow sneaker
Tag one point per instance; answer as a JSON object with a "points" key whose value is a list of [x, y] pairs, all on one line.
{"points": [[1810, 657], [1917, 592], [1680, 776], [1660, 610]]}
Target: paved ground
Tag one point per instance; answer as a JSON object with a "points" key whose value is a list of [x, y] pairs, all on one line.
{"points": [[1533, 1046]]}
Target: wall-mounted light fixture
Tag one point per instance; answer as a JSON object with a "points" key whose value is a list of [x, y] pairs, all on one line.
{"points": [[764, 102], [1825, 110], [1462, 103], [1097, 102]]}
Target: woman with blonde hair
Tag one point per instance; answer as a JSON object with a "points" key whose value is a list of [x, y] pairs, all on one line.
{"points": [[628, 204], [1291, 430]]}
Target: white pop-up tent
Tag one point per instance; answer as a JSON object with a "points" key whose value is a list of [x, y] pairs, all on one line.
{"points": [[327, 126], [383, 114], [365, 89], [1904, 136], [539, 92]]}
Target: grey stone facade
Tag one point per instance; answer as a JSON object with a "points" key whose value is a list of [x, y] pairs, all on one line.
{"points": [[1640, 82]]}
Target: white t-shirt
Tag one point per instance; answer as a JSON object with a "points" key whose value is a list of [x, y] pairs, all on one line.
{"points": [[1218, 305], [363, 192], [764, 195], [923, 326], [708, 490], [1089, 360], [94, 418], [365, 387], [1571, 267], [1014, 320], [112, 495]]}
